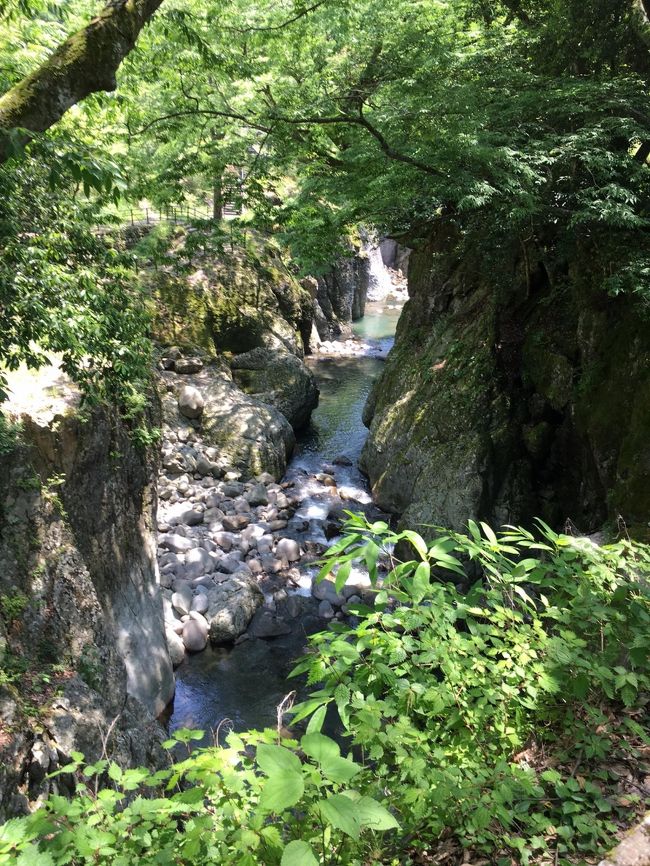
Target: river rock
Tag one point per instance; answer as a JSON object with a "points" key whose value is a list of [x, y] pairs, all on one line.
{"points": [[176, 543], [195, 633], [258, 495], [288, 549], [266, 624], [182, 600], [190, 402], [183, 512], [200, 603], [232, 606], [176, 646], [186, 366], [326, 591], [197, 562], [325, 609], [235, 522]]}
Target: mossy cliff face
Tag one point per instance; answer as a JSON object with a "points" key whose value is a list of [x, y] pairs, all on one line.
{"points": [[83, 659], [512, 393], [230, 297]]}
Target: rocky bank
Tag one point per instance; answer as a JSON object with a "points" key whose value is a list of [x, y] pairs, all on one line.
{"points": [[82, 640]]}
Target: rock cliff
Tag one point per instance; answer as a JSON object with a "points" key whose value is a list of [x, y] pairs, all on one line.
{"points": [[84, 660], [512, 393]]}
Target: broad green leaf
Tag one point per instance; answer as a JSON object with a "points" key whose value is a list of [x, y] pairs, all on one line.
{"points": [[298, 853], [281, 791], [338, 811], [276, 759], [373, 815], [319, 747]]}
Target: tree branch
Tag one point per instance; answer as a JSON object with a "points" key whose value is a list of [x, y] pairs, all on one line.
{"points": [[85, 63], [281, 26]]}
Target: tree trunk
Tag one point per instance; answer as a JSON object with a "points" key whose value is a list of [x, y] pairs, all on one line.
{"points": [[217, 197], [85, 63]]}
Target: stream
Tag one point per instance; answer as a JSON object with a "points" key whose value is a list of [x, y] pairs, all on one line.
{"points": [[240, 686]]}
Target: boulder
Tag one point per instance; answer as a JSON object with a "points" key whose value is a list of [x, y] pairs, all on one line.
{"points": [[280, 379], [232, 606], [195, 634], [186, 366], [190, 402]]}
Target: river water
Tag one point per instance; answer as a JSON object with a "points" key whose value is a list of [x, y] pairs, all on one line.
{"points": [[241, 686]]}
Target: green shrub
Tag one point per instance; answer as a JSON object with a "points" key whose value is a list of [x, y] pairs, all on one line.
{"points": [[493, 713], [218, 806]]}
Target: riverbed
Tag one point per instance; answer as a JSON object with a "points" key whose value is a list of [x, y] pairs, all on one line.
{"points": [[240, 687]]}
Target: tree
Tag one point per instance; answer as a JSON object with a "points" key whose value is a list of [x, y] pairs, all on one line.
{"points": [[85, 63]]}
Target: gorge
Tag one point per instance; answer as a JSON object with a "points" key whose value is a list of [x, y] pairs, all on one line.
{"points": [[324, 399]]}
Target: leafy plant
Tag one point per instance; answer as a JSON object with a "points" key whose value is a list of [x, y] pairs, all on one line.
{"points": [[477, 709], [253, 802]]}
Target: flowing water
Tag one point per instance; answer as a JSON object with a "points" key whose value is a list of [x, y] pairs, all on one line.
{"points": [[245, 683]]}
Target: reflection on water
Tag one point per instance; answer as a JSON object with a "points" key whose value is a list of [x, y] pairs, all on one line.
{"points": [[236, 687]]}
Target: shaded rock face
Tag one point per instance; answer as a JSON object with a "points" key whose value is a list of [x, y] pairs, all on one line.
{"points": [[231, 300], [512, 395], [240, 431], [341, 296], [279, 379], [81, 603]]}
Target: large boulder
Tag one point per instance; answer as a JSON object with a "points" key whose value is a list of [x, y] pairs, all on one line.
{"points": [[280, 379], [249, 435], [233, 603]]}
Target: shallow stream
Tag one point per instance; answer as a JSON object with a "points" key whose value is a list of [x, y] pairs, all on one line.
{"points": [[241, 686]]}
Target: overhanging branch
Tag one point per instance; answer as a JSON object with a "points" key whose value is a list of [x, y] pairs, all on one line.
{"points": [[85, 63]]}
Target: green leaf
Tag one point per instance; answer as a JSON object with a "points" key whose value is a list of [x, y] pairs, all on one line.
{"points": [[373, 815], [316, 721], [342, 575], [421, 581], [282, 791], [319, 747], [340, 769], [337, 811], [298, 853], [276, 759]]}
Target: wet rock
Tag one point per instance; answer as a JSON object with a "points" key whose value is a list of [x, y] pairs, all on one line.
{"points": [[342, 460], [266, 624], [326, 591], [325, 610], [190, 402]]}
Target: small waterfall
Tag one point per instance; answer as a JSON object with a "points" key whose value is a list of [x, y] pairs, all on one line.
{"points": [[381, 283]]}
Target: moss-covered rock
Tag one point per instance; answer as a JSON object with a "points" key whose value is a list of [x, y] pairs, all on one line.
{"points": [[508, 397]]}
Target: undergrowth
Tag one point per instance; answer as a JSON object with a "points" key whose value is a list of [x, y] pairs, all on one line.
{"points": [[503, 720]]}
